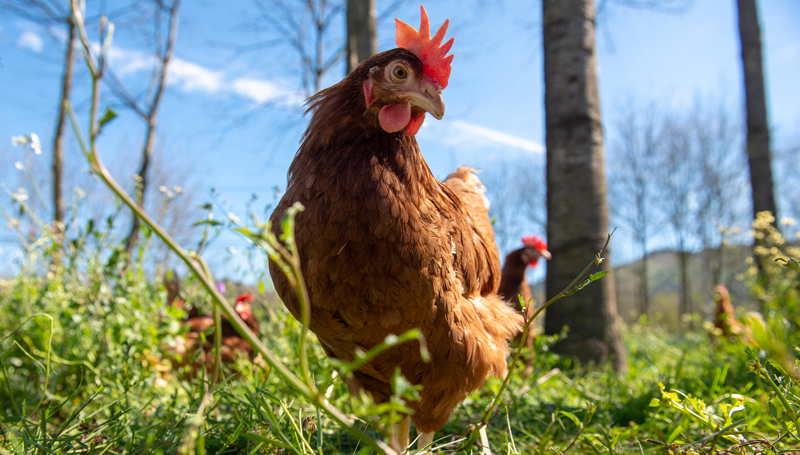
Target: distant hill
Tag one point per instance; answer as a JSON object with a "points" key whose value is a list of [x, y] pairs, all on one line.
{"points": [[664, 285]]}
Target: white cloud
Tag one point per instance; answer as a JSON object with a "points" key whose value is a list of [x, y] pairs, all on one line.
{"points": [[465, 132], [30, 41], [261, 91], [189, 76], [497, 136], [192, 76], [126, 62], [258, 90]]}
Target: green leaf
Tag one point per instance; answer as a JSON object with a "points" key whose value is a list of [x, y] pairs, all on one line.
{"points": [[597, 276], [208, 222], [108, 116], [790, 263], [676, 432], [572, 417]]}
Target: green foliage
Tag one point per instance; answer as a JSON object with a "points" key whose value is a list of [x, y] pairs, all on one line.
{"points": [[771, 279], [84, 368], [84, 352]]}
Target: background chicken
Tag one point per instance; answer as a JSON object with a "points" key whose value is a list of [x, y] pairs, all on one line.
{"points": [[513, 283], [233, 345], [724, 317], [385, 247]]}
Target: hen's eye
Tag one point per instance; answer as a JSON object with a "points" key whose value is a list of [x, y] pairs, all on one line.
{"points": [[399, 72]]}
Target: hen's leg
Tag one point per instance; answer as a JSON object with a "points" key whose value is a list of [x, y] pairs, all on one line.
{"points": [[402, 429], [424, 439]]}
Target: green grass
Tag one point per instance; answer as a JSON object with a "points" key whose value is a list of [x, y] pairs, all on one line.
{"points": [[82, 371]]}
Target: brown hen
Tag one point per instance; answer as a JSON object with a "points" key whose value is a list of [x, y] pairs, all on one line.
{"points": [[385, 247], [513, 284], [202, 326], [724, 314]]}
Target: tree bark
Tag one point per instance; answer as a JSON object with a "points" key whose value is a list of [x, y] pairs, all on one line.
{"points": [[683, 265], [58, 137], [362, 37], [758, 151], [644, 288], [577, 211]]}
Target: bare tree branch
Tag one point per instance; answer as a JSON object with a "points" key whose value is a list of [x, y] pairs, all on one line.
{"points": [[632, 177], [151, 107]]}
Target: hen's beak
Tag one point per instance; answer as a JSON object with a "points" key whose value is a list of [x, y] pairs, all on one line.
{"points": [[429, 98], [546, 254]]}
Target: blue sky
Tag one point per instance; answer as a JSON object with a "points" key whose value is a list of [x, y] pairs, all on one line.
{"points": [[494, 99]]}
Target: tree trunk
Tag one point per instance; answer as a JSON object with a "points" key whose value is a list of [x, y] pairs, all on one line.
{"points": [[683, 265], [577, 211], [362, 37], [758, 152], [58, 137], [643, 283]]}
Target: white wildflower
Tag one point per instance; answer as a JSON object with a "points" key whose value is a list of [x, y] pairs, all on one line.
{"points": [[80, 193], [177, 189], [787, 221], [35, 144], [18, 140], [20, 196], [232, 250], [19, 166], [162, 188], [233, 218]]}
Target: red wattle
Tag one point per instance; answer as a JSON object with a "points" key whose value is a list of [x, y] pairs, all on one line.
{"points": [[415, 124], [395, 117]]}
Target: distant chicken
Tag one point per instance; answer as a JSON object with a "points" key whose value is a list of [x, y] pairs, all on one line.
{"points": [[385, 247], [233, 345], [724, 318], [513, 283]]}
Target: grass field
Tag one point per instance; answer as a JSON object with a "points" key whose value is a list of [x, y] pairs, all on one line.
{"points": [[84, 368]]}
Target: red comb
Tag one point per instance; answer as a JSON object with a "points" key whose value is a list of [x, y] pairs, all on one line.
{"points": [[534, 241], [435, 64], [244, 298]]}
